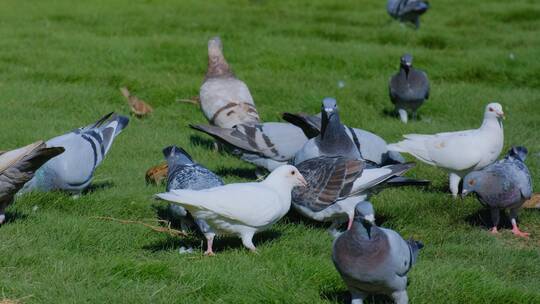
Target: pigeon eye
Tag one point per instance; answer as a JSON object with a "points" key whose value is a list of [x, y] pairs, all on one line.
{"points": [[490, 109], [292, 172], [472, 182]]}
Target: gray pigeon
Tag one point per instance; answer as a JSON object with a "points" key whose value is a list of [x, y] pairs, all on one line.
{"points": [[374, 260], [184, 173], [85, 148], [18, 166], [267, 145], [409, 88], [336, 185], [225, 100], [371, 146], [333, 139], [505, 184], [407, 10]]}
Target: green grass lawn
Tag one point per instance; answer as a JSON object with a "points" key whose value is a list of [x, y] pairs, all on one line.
{"points": [[62, 62]]}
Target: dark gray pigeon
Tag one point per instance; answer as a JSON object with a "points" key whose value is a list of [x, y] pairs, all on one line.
{"points": [[374, 260], [184, 173], [505, 184], [333, 139], [407, 10], [336, 185], [409, 88], [18, 166], [85, 148], [267, 145], [371, 146]]}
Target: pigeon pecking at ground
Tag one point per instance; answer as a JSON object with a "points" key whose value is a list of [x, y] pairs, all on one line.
{"points": [[407, 10], [266, 145], [336, 185], [371, 146], [241, 209], [374, 260], [409, 88], [85, 148], [505, 184], [185, 173], [18, 166], [459, 152], [225, 100]]}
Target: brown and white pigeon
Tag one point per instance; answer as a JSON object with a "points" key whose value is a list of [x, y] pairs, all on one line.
{"points": [[138, 107], [225, 100]]}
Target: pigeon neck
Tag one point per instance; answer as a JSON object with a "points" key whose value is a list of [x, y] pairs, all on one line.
{"points": [[361, 231], [405, 71], [333, 133], [492, 123], [217, 65]]}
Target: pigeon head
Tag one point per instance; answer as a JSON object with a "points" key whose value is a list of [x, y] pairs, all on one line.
{"points": [[217, 65], [518, 152], [406, 62], [289, 174], [176, 155], [471, 183], [494, 110], [329, 112], [364, 213]]}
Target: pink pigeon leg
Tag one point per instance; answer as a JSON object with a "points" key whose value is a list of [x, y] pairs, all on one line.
{"points": [[209, 243], [516, 231], [494, 230]]}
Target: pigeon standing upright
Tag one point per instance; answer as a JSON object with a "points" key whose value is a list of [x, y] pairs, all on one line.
{"points": [[333, 139], [459, 152], [371, 146], [505, 184], [184, 173], [240, 209], [18, 166], [267, 145], [407, 10], [409, 88], [374, 260], [85, 148], [225, 100]]}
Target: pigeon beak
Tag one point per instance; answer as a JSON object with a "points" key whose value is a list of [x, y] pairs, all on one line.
{"points": [[370, 218], [501, 114], [302, 181], [464, 193]]}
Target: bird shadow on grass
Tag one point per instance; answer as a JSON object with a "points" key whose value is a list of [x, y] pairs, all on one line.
{"points": [[98, 186], [239, 172], [387, 112], [344, 296], [14, 216], [294, 217], [206, 143], [482, 218]]}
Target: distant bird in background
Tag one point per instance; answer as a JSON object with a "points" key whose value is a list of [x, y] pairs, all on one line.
{"points": [[85, 148], [225, 100], [407, 10], [459, 152], [371, 146], [267, 145], [241, 209], [374, 260], [157, 174], [138, 107], [18, 166], [505, 184], [409, 88], [185, 173]]}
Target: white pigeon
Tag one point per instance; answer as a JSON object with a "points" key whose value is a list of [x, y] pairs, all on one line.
{"points": [[459, 152], [240, 209], [225, 99]]}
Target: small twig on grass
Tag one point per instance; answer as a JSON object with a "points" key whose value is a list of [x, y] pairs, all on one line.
{"points": [[194, 100], [167, 229]]}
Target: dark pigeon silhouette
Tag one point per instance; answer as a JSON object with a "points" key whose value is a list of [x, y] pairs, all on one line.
{"points": [[407, 10]]}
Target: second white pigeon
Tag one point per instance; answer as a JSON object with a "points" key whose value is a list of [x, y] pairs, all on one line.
{"points": [[241, 209], [459, 152]]}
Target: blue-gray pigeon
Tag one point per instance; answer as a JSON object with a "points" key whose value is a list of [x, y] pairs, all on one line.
{"points": [[407, 10], [374, 260], [18, 166], [408, 89], [371, 146], [185, 173], [85, 148], [267, 145], [505, 184], [336, 185]]}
